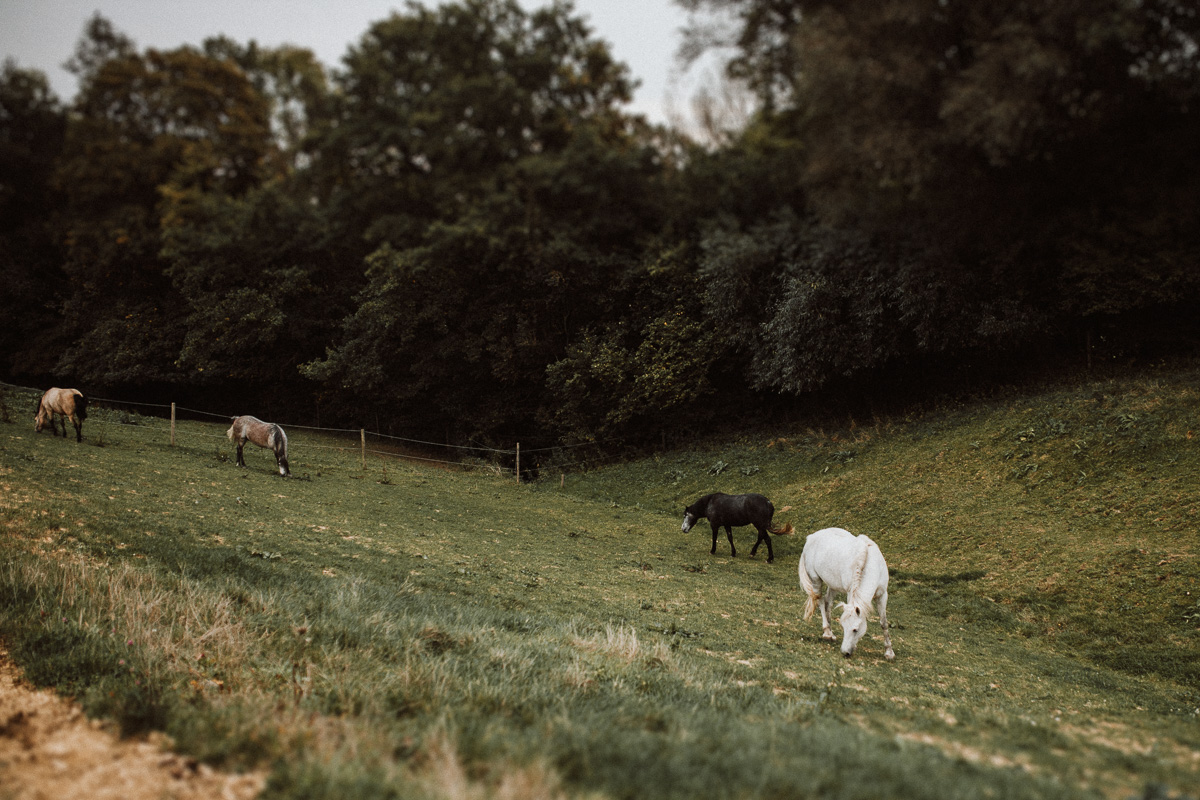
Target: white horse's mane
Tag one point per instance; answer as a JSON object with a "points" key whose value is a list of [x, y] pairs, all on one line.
{"points": [[854, 594]]}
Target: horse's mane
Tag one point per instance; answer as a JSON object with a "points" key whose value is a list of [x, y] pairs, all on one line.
{"points": [[857, 568]]}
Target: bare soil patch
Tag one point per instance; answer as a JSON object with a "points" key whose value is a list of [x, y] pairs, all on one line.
{"points": [[50, 750]]}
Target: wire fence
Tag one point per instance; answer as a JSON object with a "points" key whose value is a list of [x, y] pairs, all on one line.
{"points": [[158, 422]]}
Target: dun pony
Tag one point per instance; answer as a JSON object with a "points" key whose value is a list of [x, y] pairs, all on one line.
{"points": [[263, 434], [70, 404], [846, 563]]}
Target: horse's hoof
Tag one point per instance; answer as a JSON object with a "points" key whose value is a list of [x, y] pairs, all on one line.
{"points": [[889, 655], [770, 561]]}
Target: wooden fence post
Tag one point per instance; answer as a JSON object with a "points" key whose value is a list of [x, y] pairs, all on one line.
{"points": [[172, 424], [362, 435], [518, 462]]}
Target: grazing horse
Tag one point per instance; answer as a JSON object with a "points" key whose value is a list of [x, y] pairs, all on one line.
{"points": [[846, 563], [70, 404], [734, 510], [263, 434]]}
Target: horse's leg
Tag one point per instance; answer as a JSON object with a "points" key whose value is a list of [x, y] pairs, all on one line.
{"points": [[763, 536], [826, 612], [888, 653], [78, 428], [729, 536], [716, 529], [241, 462]]}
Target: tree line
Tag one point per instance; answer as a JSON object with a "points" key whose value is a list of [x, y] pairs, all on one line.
{"points": [[462, 229]]}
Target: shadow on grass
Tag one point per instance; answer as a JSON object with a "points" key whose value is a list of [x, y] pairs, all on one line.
{"points": [[935, 581]]}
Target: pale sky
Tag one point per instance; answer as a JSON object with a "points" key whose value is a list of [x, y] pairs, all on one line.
{"points": [[41, 34]]}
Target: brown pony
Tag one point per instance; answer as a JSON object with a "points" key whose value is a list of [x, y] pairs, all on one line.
{"points": [[70, 404], [263, 434]]}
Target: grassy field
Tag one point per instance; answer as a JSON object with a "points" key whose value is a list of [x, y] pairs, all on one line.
{"points": [[411, 631]]}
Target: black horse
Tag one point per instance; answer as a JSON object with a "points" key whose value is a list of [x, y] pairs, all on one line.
{"points": [[734, 510]]}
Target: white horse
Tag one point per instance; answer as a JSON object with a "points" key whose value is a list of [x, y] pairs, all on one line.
{"points": [[846, 563]]}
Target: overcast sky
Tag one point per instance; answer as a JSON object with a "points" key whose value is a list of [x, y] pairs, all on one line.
{"points": [[41, 34]]}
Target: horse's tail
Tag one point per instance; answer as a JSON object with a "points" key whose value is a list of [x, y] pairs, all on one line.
{"points": [[278, 441], [810, 590], [786, 529], [229, 432]]}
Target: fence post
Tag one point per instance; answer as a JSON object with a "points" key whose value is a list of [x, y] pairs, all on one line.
{"points": [[518, 462], [362, 435], [172, 424]]}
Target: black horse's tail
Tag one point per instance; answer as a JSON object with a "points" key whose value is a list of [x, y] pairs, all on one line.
{"points": [[786, 529], [81, 406]]}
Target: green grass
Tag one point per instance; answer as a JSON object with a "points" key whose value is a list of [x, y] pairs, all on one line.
{"points": [[424, 632]]}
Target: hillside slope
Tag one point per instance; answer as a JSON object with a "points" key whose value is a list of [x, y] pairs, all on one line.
{"points": [[408, 631], [1073, 514]]}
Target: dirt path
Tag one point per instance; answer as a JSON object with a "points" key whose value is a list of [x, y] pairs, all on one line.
{"points": [[50, 751]]}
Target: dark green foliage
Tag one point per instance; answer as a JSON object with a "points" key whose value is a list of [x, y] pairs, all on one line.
{"points": [[508, 197], [460, 228], [1007, 164], [262, 287], [149, 126], [617, 381], [32, 129]]}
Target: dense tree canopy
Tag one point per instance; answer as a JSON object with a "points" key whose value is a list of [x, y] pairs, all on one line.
{"points": [[488, 158], [463, 226], [1004, 162], [32, 128]]}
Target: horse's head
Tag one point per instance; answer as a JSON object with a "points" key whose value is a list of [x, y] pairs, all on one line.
{"points": [[689, 519], [854, 625]]}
